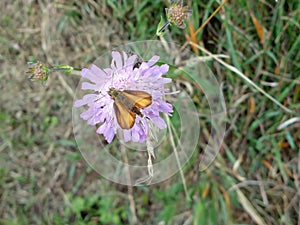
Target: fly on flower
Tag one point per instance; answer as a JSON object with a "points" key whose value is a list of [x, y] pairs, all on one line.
{"points": [[138, 61], [128, 104], [126, 96]]}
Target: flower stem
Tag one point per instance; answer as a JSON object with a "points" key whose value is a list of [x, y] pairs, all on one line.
{"points": [[148, 49], [66, 68]]}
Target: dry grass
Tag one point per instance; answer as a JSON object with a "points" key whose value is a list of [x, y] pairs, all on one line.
{"points": [[44, 180], [38, 164]]}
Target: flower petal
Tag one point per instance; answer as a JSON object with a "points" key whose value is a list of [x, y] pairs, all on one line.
{"points": [[159, 122], [86, 100], [117, 60], [127, 135], [153, 60], [88, 86], [99, 72]]}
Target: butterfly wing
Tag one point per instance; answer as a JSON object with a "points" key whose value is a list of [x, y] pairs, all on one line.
{"points": [[139, 99], [125, 117]]}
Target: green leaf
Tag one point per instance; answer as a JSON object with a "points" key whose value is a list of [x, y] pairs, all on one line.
{"points": [[161, 27]]}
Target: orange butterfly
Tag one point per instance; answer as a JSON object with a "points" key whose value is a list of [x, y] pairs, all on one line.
{"points": [[127, 105]]}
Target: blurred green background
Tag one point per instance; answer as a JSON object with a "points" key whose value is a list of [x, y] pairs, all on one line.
{"points": [[254, 180]]}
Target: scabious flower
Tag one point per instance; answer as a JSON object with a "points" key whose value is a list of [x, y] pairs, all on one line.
{"points": [[125, 75], [38, 71]]}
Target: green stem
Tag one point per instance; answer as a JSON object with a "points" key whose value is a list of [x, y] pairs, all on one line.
{"points": [[148, 49], [54, 69], [66, 68], [77, 69]]}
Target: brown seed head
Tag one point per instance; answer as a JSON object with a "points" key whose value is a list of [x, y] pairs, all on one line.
{"points": [[38, 71], [177, 14]]}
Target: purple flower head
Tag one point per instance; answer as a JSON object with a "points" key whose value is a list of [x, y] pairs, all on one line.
{"points": [[125, 74]]}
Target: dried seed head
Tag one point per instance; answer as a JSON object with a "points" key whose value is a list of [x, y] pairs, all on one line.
{"points": [[177, 14], [38, 71]]}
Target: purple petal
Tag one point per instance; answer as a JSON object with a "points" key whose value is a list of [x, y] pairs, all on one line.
{"points": [[88, 86], [84, 72], [143, 135], [107, 131], [130, 61], [101, 129], [109, 135], [96, 70], [165, 107], [95, 78], [125, 57], [117, 60], [88, 113], [108, 71], [159, 122], [135, 135], [164, 68], [127, 135], [153, 60], [86, 100]]}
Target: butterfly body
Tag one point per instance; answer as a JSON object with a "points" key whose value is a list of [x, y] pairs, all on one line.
{"points": [[127, 105]]}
